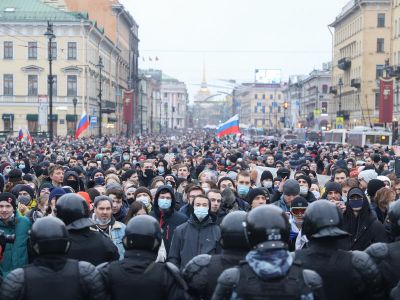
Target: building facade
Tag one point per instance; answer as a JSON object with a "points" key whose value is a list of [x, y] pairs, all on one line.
{"points": [[362, 43], [261, 106]]}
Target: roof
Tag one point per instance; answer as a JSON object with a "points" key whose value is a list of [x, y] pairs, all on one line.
{"points": [[166, 77], [34, 10]]}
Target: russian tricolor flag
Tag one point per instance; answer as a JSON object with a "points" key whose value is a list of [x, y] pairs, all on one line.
{"points": [[83, 125], [20, 134], [29, 137], [229, 127]]}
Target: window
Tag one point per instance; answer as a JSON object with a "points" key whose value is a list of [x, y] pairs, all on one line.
{"points": [[379, 71], [32, 50], [263, 96], [71, 50], [8, 50], [324, 89], [32, 85], [165, 95], [381, 20], [72, 85], [255, 96], [53, 50], [271, 97], [377, 100], [8, 85], [255, 109], [380, 45], [54, 86]]}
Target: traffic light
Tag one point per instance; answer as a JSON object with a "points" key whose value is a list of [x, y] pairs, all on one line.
{"points": [[285, 105]]}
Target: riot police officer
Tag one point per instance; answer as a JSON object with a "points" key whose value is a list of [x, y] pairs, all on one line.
{"points": [[269, 270], [201, 273], [87, 244], [52, 275], [138, 275], [387, 256], [346, 275]]}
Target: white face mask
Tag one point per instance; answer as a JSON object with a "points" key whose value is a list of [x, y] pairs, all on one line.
{"points": [[303, 190], [144, 200], [317, 195], [267, 184]]}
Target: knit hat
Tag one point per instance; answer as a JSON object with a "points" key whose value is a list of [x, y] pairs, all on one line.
{"points": [[367, 175], [45, 185], [85, 196], [299, 202], [331, 186], [355, 191], [23, 187], [283, 172], [384, 179], [141, 190], [10, 198], [266, 175], [113, 185], [306, 178], [56, 193], [253, 193], [223, 179], [15, 175], [373, 186], [291, 188]]}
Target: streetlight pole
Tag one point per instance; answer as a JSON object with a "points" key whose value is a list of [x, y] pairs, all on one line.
{"points": [[159, 98], [50, 35], [74, 101], [100, 66], [141, 109], [340, 96]]}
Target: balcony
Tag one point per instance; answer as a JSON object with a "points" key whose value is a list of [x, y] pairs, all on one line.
{"points": [[344, 64], [333, 90], [355, 83]]}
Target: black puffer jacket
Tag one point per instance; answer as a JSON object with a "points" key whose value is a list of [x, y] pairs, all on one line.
{"points": [[365, 229], [194, 238]]}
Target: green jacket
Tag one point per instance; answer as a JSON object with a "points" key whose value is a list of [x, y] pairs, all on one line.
{"points": [[15, 255]]}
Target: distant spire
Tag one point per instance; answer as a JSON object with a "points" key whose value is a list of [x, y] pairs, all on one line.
{"points": [[204, 86]]}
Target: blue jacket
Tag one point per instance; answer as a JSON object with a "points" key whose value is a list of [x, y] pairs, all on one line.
{"points": [[117, 234], [15, 255], [282, 204]]}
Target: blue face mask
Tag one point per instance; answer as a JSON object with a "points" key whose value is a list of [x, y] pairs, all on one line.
{"points": [[200, 212], [276, 188], [344, 198], [99, 180], [161, 170], [356, 203], [242, 190], [164, 204], [21, 167]]}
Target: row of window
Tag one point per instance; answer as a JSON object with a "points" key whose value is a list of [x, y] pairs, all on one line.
{"points": [[8, 50], [271, 96], [262, 109], [8, 85]]}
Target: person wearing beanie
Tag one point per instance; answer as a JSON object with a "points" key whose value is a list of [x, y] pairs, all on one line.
{"points": [[226, 182], [14, 178], [15, 255], [86, 196], [333, 193], [130, 194], [266, 181], [361, 222], [366, 176], [373, 186], [305, 185], [257, 197], [290, 189], [143, 195], [297, 210], [24, 190], [55, 194], [385, 180]]}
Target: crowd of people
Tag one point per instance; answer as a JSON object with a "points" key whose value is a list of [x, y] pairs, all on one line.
{"points": [[198, 217]]}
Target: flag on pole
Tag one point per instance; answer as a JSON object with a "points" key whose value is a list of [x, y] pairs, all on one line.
{"points": [[20, 134], [229, 127], [150, 59], [83, 125], [28, 136]]}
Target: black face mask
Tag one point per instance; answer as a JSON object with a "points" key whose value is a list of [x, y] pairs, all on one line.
{"points": [[74, 184], [149, 173]]}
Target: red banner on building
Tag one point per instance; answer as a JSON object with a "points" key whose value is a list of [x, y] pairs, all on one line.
{"points": [[128, 97], [386, 100]]}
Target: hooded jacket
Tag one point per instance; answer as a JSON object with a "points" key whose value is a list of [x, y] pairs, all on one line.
{"points": [[365, 229], [169, 219], [193, 238]]}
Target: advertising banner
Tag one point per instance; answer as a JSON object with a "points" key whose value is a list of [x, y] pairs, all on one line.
{"points": [[127, 109], [386, 100]]}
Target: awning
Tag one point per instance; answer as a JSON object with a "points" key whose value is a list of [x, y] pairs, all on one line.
{"points": [[8, 116], [32, 117], [71, 118]]}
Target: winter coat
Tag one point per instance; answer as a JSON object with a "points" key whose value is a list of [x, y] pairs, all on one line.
{"points": [[120, 216], [168, 220], [365, 229], [194, 238], [282, 204], [15, 254]]}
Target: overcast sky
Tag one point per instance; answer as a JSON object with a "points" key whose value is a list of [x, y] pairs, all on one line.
{"points": [[233, 37]]}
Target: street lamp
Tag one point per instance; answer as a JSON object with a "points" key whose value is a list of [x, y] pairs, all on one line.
{"points": [[50, 36], [74, 101], [340, 97], [285, 106], [100, 66], [141, 109]]}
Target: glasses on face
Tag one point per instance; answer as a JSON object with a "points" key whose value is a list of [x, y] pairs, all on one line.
{"points": [[298, 211]]}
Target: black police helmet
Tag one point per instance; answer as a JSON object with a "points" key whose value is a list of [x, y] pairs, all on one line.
{"points": [[267, 226], [394, 218], [71, 207], [323, 219], [49, 236], [142, 232], [233, 231]]}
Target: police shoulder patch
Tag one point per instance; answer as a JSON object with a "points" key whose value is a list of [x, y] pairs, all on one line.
{"points": [[312, 279]]}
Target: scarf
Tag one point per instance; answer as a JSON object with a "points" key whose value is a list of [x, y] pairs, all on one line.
{"points": [[269, 264]]}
